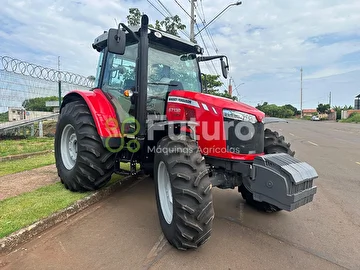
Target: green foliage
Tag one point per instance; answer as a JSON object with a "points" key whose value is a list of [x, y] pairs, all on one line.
{"points": [[170, 25], [323, 108], [353, 118], [25, 146], [273, 110], [211, 83], [338, 110], [19, 165], [39, 104], [134, 16], [4, 117], [91, 78]]}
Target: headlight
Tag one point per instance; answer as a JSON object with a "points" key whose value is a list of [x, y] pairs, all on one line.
{"points": [[236, 115]]}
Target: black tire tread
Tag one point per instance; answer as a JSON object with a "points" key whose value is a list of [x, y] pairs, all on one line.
{"points": [[95, 164], [193, 211]]}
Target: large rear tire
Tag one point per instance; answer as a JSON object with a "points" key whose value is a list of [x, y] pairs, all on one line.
{"points": [[183, 193], [274, 143], [82, 162]]}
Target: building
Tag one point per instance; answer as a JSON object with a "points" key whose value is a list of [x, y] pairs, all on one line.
{"points": [[16, 114], [309, 112], [357, 102]]}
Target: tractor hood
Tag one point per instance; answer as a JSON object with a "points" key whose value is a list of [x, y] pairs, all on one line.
{"points": [[219, 103]]}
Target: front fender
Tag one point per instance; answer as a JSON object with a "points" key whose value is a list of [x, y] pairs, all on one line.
{"points": [[101, 109]]}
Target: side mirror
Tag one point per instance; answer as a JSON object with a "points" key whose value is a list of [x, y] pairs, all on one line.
{"points": [[224, 68], [116, 41]]}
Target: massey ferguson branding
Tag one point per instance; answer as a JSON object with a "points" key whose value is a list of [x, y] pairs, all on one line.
{"points": [[183, 101]]}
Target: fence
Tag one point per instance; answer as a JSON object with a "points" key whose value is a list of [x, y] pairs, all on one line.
{"points": [[31, 94]]}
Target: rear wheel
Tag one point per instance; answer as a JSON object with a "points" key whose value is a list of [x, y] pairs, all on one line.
{"points": [[273, 144], [82, 162], [183, 193]]}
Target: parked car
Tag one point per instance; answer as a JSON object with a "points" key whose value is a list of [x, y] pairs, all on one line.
{"points": [[315, 118]]}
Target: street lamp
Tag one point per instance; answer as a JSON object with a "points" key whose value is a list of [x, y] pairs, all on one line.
{"points": [[233, 4]]}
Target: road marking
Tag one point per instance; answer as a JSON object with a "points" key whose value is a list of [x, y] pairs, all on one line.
{"points": [[358, 163], [291, 134], [313, 143]]}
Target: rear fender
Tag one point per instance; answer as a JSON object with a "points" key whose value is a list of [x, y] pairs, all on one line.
{"points": [[101, 110]]}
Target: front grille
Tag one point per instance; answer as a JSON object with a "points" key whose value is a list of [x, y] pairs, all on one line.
{"points": [[244, 137]]}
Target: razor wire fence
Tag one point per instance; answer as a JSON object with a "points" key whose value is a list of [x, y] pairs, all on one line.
{"points": [[30, 95]]}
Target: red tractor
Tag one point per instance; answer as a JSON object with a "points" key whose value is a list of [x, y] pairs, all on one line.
{"points": [[148, 108]]}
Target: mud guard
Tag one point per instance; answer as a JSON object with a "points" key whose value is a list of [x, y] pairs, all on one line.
{"points": [[282, 180], [101, 109]]}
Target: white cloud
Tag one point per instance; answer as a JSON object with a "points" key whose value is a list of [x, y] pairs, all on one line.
{"points": [[277, 48]]}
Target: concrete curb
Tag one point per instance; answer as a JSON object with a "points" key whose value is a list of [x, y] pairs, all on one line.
{"points": [[20, 156], [11, 242]]}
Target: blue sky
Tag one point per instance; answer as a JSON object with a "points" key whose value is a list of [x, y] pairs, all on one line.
{"points": [[267, 42]]}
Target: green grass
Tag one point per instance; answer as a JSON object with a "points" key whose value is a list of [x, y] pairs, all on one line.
{"points": [[19, 165], [354, 118], [27, 208], [22, 146]]}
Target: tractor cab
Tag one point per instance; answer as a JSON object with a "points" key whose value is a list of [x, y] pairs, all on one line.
{"points": [[137, 71]]}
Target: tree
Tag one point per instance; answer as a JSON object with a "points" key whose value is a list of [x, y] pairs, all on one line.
{"points": [[292, 108], [4, 117], [170, 25], [273, 110], [323, 108], [134, 17], [39, 104], [211, 83], [91, 78]]}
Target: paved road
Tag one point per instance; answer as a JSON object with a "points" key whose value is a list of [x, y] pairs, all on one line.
{"points": [[122, 232]]}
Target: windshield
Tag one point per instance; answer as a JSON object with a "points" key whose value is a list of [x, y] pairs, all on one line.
{"points": [[167, 68]]}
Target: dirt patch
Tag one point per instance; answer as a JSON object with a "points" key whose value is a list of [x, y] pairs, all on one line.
{"points": [[15, 184]]}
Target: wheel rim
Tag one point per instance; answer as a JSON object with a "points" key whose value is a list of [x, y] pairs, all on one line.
{"points": [[165, 193], [68, 147]]}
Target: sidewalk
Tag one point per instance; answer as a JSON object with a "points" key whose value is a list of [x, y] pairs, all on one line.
{"points": [[14, 184]]}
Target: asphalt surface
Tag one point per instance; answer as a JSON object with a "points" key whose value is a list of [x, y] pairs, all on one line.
{"points": [[122, 232]]}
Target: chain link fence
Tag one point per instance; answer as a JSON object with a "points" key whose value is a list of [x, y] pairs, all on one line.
{"points": [[30, 96], [32, 93]]}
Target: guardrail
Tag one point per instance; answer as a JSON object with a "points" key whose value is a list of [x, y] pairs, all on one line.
{"points": [[23, 123]]}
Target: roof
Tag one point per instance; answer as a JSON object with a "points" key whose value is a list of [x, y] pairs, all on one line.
{"points": [[358, 96], [309, 110]]}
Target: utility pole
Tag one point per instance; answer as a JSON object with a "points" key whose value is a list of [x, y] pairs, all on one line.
{"points": [[301, 93], [59, 82], [192, 21], [230, 87], [330, 99]]}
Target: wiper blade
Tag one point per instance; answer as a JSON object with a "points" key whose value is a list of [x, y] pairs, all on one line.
{"points": [[159, 83]]}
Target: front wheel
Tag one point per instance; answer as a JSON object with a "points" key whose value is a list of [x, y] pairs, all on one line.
{"points": [[82, 162], [183, 193], [273, 143]]}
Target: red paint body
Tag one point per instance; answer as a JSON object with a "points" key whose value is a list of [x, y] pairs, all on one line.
{"points": [[211, 132], [102, 110], [211, 123]]}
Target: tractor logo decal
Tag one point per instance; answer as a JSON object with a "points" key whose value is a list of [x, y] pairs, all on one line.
{"points": [[184, 101]]}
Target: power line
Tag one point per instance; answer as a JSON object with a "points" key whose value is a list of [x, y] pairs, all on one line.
{"points": [[164, 7], [182, 31], [156, 8]]}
